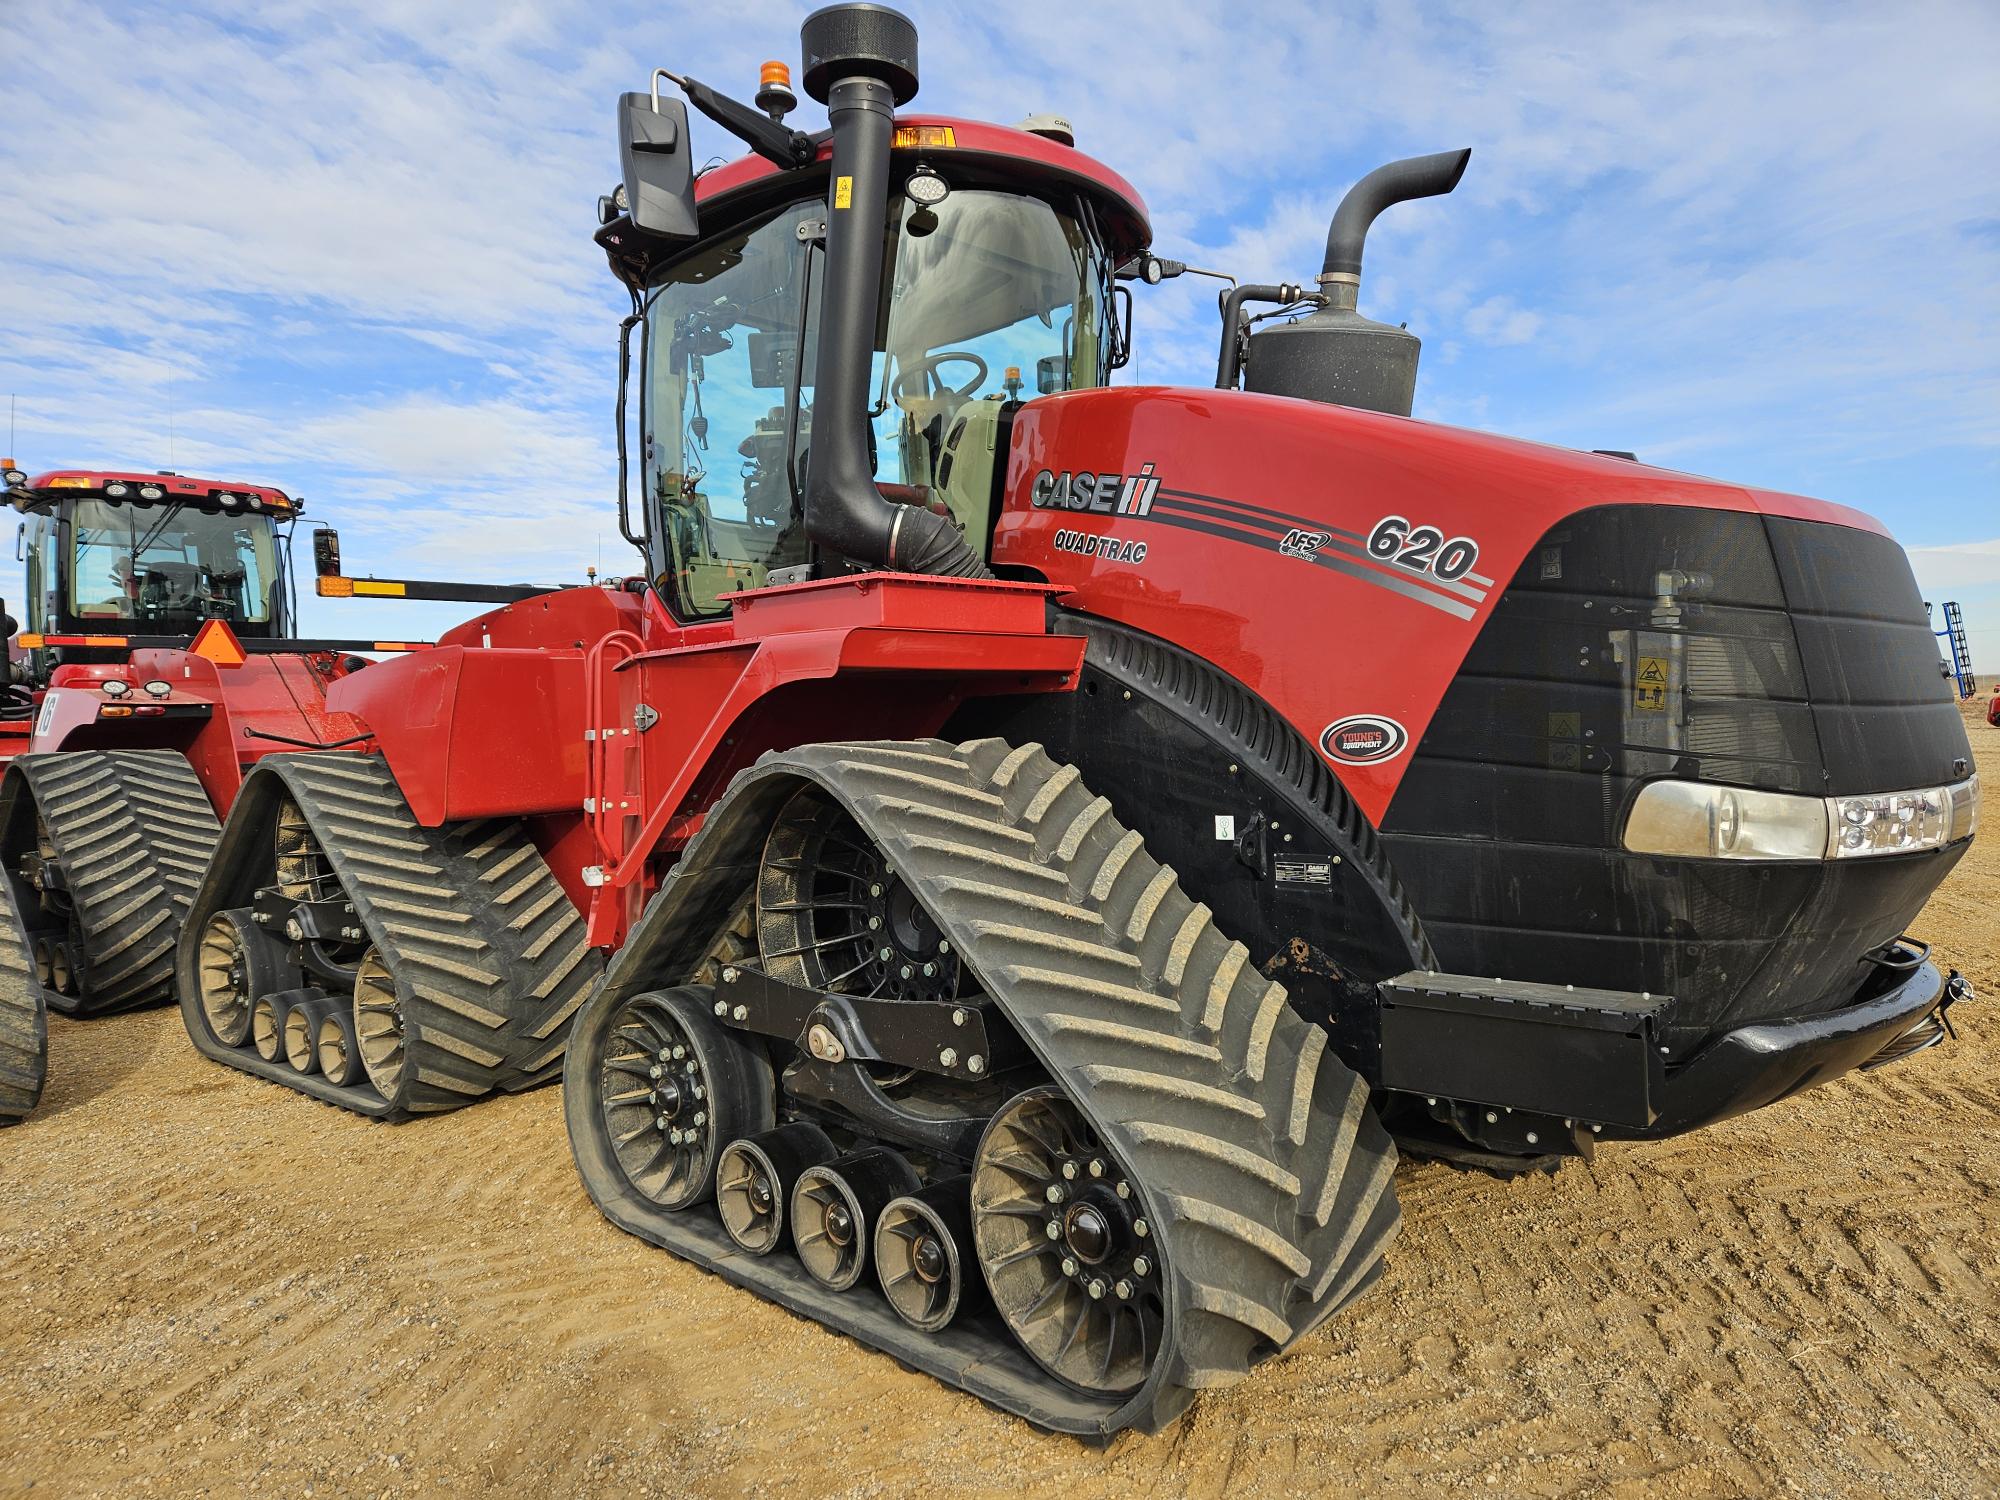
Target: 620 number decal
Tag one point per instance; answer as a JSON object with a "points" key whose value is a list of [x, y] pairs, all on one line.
{"points": [[1422, 549]]}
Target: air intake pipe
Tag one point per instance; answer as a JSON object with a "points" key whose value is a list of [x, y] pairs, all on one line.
{"points": [[1336, 355], [861, 62]]}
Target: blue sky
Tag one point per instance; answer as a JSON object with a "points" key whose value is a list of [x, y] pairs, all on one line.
{"points": [[345, 249]]}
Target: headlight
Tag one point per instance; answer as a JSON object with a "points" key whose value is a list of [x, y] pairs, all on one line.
{"points": [[114, 688], [159, 689], [1691, 820], [117, 490], [1889, 822]]}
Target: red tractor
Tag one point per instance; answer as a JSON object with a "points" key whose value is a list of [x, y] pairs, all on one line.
{"points": [[1048, 844], [159, 662]]}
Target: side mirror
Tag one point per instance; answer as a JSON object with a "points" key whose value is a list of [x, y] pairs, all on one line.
{"points": [[1052, 374], [326, 552], [658, 166], [8, 624]]}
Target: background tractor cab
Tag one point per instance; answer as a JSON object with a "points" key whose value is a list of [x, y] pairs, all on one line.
{"points": [[115, 556]]}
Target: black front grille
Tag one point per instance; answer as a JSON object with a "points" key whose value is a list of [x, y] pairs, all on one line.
{"points": [[1638, 642]]}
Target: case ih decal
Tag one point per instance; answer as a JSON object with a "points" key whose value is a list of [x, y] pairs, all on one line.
{"points": [[1107, 494], [1363, 739]]}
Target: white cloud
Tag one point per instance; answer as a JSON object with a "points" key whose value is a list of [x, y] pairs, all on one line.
{"points": [[1498, 321], [1966, 565]]}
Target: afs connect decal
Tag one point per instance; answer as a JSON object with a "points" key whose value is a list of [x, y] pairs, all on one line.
{"points": [[1363, 739]]}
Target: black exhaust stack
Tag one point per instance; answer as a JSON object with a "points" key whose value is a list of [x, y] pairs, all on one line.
{"points": [[1335, 354], [861, 63]]}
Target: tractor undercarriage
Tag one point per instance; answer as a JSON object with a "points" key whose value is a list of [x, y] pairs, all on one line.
{"points": [[343, 948], [1092, 1109]]}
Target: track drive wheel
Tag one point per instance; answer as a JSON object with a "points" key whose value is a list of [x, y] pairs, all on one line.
{"points": [[673, 1088]]}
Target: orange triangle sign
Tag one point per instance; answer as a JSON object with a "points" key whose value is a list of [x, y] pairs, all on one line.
{"points": [[218, 643]]}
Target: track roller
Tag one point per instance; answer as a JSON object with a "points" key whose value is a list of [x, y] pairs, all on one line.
{"points": [[755, 1178], [339, 1055], [835, 1207], [45, 961], [303, 1019], [923, 1255], [239, 960], [267, 1025]]}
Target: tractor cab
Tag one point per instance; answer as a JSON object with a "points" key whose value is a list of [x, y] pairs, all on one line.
{"points": [[118, 559], [997, 277]]}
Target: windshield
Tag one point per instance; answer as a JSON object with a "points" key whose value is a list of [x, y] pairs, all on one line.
{"points": [[169, 564], [994, 300]]}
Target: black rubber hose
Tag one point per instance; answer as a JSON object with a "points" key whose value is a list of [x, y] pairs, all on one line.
{"points": [[1397, 182], [1229, 367], [845, 513]]}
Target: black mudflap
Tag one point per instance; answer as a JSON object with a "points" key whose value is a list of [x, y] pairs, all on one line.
{"points": [[24, 1035], [131, 832], [1252, 1146], [486, 949]]}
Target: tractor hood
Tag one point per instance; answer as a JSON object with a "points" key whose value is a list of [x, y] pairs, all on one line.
{"points": [[1384, 544], [1498, 646]]}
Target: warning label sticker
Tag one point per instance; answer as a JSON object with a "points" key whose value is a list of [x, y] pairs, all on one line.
{"points": [[1565, 736], [1649, 688], [1302, 869]]}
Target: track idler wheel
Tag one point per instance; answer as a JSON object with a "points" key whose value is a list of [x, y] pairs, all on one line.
{"points": [[923, 1249], [755, 1177], [339, 1055], [675, 1085], [378, 1024], [302, 1023], [45, 962], [1063, 1240], [835, 1207], [63, 967], [239, 962]]}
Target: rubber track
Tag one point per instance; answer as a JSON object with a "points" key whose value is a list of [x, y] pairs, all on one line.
{"points": [[134, 832], [24, 1036], [1262, 1166], [486, 948]]}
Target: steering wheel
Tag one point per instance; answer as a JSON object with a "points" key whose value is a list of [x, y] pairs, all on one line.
{"points": [[924, 369]]}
